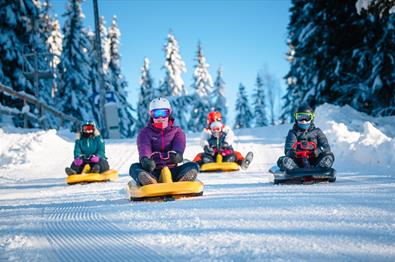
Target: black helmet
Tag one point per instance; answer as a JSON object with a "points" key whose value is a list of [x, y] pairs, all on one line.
{"points": [[304, 112]]}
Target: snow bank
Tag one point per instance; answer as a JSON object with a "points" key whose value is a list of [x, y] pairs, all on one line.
{"points": [[358, 141], [24, 149]]}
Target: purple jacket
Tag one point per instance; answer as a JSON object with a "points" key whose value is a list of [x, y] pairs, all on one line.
{"points": [[151, 139]]}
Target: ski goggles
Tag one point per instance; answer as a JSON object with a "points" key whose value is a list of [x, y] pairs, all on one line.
{"points": [[306, 116], [161, 112], [88, 128], [216, 126]]}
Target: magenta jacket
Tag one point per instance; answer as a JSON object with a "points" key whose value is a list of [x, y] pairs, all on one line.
{"points": [[151, 139]]}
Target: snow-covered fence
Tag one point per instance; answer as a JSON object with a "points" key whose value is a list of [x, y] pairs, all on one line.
{"points": [[27, 115]]}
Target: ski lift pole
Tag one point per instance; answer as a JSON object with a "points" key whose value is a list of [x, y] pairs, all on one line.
{"points": [[102, 118]]}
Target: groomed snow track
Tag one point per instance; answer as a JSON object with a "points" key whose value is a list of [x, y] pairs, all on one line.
{"points": [[77, 233]]}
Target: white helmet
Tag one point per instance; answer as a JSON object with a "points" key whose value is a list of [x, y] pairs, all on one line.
{"points": [[159, 103]]}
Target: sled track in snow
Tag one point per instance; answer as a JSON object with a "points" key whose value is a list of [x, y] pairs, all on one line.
{"points": [[79, 234]]}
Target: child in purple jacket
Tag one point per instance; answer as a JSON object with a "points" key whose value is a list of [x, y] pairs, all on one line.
{"points": [[160, 144]]}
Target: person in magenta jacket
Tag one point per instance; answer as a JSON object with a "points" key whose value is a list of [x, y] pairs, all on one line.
{"points": [[160, 143]]}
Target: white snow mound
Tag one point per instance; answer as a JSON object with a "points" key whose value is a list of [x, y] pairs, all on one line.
{"points": [[358, 140]]}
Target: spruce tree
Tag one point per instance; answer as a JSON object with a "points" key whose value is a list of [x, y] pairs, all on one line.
{"points": [[172, 86], [145, 96], [20, 34], [119, 84], [218, 96], [341, 57], [93, 80], [244, 115], [259, 103], [202, 84], [74, 65]]}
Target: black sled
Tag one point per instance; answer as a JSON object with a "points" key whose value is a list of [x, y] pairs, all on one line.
{"points": [[303, 175], [307, 174]]}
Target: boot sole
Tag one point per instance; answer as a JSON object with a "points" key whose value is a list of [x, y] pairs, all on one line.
{"points": [[189, 176], [147, 179]]}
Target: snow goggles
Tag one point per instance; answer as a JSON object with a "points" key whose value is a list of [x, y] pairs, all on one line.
{"points": [[216, 126], [88, 128], [161, 112], [306, 116]]}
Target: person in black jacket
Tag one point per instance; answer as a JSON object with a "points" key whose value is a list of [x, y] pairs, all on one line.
{"points": [[305, 132]]}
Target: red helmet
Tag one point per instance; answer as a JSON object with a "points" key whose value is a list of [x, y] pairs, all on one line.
{"points": [[212, 117]]}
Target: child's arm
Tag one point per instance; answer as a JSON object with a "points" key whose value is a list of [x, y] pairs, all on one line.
{"points": [[323, 144], [230, 136], [204, 137], [290, 141]]}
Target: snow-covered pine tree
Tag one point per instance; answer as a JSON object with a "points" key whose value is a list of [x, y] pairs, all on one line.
{"points": [[202, 84], [172, 86], [93, 80], [218, 96], [334, 52], [51, 30], [244, 115], [118, 82], [145, 96], [74, 66], [19, 34], [54, 42], [259, 103], [376, 7], [105, 41]]}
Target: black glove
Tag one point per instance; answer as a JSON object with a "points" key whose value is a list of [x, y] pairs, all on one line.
{"points": [[175, 157], [225, 146], [291, 153], [147, 164], [208, 150]]}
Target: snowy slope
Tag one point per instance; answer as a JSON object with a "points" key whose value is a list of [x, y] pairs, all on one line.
{"points": [[241, 217]]}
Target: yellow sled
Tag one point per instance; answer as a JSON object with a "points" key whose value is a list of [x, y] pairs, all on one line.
{"points": [[219, 165], [166, 189], [86, 177]]}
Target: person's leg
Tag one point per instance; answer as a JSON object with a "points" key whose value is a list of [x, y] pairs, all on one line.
{"points": [[186, 172], [141, 176], [73, 169], [207, 159], [229, 158], [325, 160], [100, 167], [289, 163]]}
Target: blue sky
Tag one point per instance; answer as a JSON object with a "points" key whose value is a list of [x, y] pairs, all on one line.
{"points": [[241, 36]]}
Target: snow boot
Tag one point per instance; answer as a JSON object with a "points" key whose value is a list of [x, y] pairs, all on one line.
{"points": [[289, 163], [70, 171], [146, 179], [247, 160], [189, 175], [95, 169], [326, 162]]}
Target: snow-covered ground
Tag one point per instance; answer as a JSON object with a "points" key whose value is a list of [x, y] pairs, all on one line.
{"points": [[241, 217]]}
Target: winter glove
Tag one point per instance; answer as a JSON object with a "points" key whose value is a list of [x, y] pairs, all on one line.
{"points": [[226, 152], [175, 157], [209, 150], [225, 146], [147, 164], [291, 153], [78, 161], [317, 152], [94, 159]]}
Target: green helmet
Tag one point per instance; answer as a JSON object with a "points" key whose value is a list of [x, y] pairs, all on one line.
{"points": [[88, 126]]}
